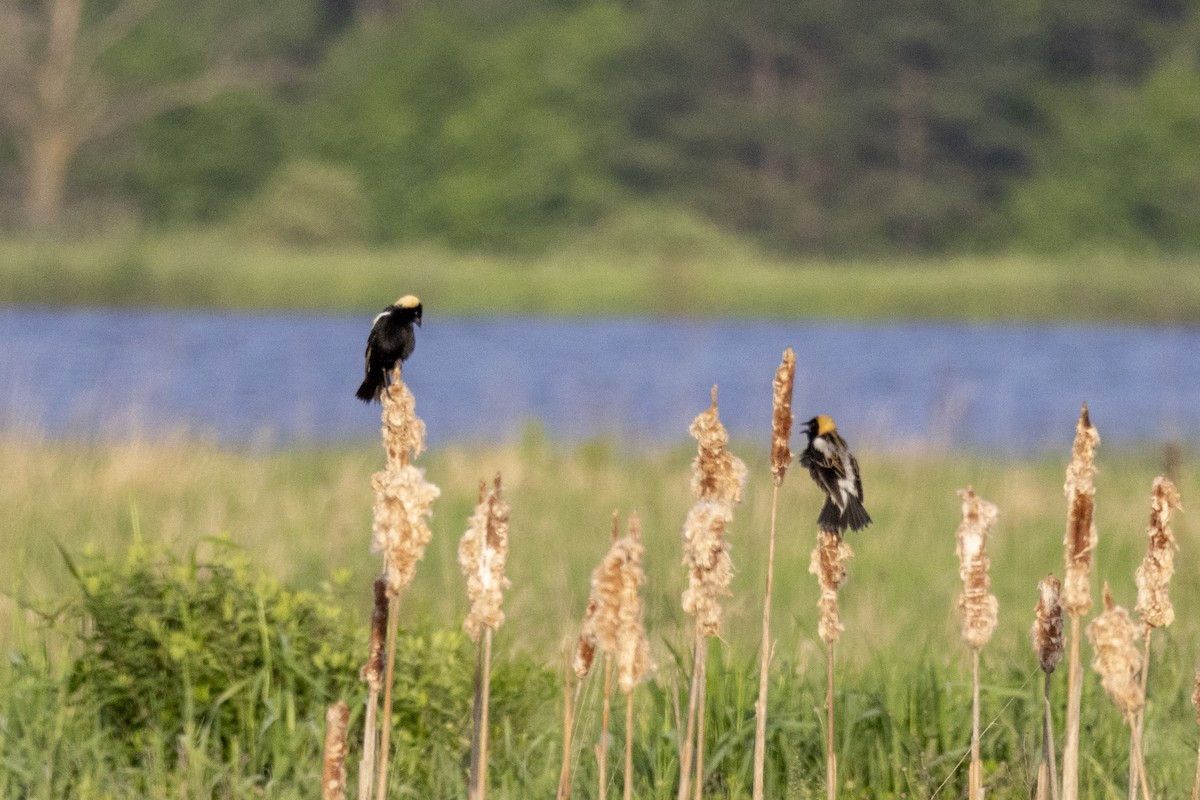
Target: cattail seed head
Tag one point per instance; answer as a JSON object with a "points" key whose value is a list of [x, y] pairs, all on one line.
{"points": [[612, 622], [978, 605], [482, 555], [1048, 624], [372, 671], [403, 498], [1153, 576], [717, 474], [828, 563], [1115, 657], [333, 772], [717, 478], [781, 419], [1081, 536]]}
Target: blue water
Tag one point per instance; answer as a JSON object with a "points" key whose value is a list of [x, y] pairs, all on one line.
{"points": [[274, 379]]}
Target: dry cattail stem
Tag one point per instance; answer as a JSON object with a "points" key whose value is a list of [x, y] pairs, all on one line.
{"points": [[781, 419], [400, 531], [1081, 537], [1079, 542], [372, 675], [482, 555], [978, 605], [717, 478], [333, 771]]}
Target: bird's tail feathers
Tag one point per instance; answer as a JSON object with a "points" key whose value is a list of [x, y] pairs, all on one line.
{"points": [[830, 518], [369, 390], [855, 515]]}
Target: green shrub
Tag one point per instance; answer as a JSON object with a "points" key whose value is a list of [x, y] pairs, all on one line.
{"points": [[310, 203]]}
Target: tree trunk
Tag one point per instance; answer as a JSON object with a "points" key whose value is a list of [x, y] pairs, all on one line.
{"points": [[48, 157]]}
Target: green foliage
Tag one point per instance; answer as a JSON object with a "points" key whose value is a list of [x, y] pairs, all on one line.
{"points": [[1121, 170], [208, 648], [309, 203], [483, 134]]}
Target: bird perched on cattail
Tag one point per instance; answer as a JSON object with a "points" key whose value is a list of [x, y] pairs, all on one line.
{"points": [[391, 341], [835, 470]]}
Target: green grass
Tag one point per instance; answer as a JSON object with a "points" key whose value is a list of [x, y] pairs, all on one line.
{"points": [[303, 516], [595, 275]]}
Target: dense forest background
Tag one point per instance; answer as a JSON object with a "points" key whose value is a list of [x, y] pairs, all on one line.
{"points": [[818, 128]]}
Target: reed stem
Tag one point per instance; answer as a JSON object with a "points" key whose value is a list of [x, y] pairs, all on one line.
{"points": [[1136, 737], [1070, 773], [1050, 779], [830, 756], [975, 773], [388, 681], [685, 761], [481, 764], [602, 747], [764, 662], [1139, 720], [701, 707], [564, 775], [629, 746]]}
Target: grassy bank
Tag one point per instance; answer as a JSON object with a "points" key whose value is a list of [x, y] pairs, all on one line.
{"points": [[597, 277], [304, 516]]}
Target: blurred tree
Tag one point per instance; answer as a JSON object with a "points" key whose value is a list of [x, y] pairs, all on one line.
{"points": [[1120, 169], [833, 126], [75, 72], [483, 124]]}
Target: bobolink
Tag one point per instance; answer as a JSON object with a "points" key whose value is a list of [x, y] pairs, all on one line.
{"points": [[835, 470], [391, 340]]}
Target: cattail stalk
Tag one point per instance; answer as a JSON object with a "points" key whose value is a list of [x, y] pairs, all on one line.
{"points": [[564, 774], [400, 531], [612, 624], [1047, 636], [828, 564], [1153, 578], [1196, 703], [978, 605], [1079, 542], [717, 478], [333, 771], [1117, 661], [482, 556], [781, 458], [372, 674]]}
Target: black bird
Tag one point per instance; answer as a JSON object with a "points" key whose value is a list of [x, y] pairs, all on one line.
{"points": [[835, 470], [391, 341]]}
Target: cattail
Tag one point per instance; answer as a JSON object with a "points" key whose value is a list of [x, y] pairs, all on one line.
{"points": [[482, 554], [1081, 536], [633, 648], [781, 419], [1047, 636], [717, 478], [333, 772], [1079, 541], [400, 530], [372, 674], [1047, 629], [1116, 658], [1154, 575], [827, 562], [978, 605], [717, 474]]}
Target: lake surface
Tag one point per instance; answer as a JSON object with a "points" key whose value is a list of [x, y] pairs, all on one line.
{"points": [[263, 379]]}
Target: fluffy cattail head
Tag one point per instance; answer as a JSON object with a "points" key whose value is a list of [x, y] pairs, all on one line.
{"points": [[333, 772], [1154, 575], [403, 430], [710, 569], [717, 474], [1048, 624], [1115, 657], [1081, 536], [828, 563], [781, 419], [978, 605], [482, 555], [403, 498], [613, 620]]}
